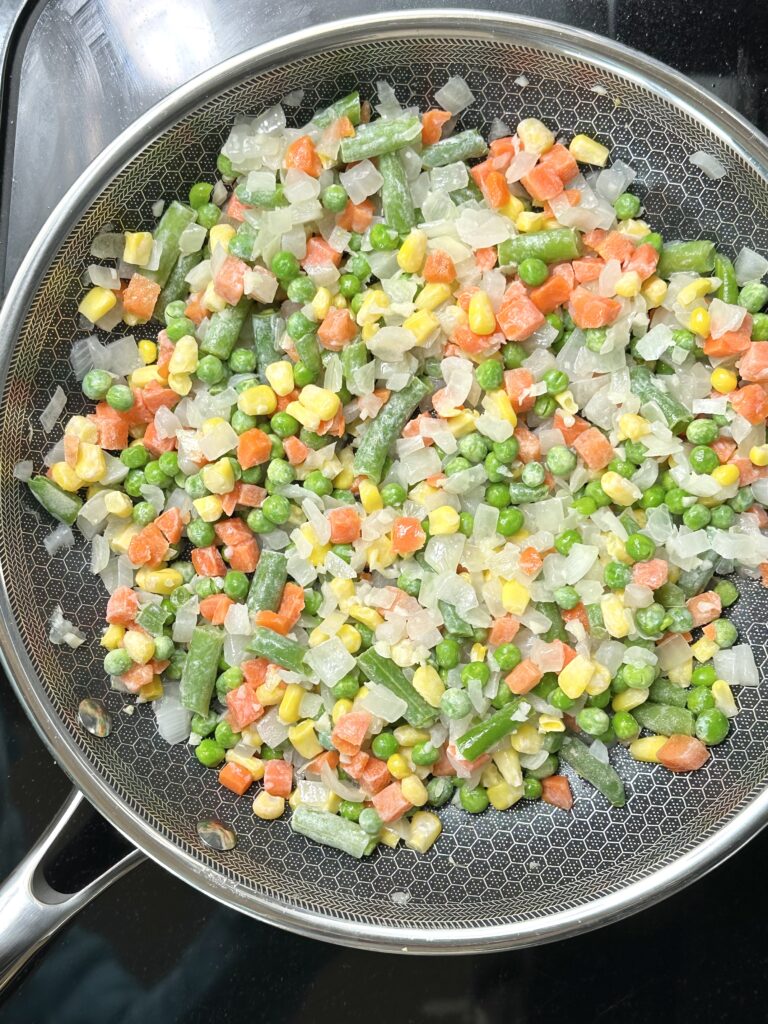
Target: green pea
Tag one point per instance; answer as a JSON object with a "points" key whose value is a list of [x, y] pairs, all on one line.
{"points": [[703, 459], [497, 495], [595, 338], [533, 271], [209, 752], [617, 576], [626, 206], [285, 266], [284, 425], [510, 522], [349, 285], [210, 370], [134, 457], [169, 463], [565, 541], [410, 584], [383, 238], [686, 340], [701, 432], [120, 398], [277, 509], [96, 384], [370, 821], [359, 266], [703, 675], [722, 517], [625, 726], [134, 482], [228, 680], [507, 656], [653, 497], [493, 467], [556, 381], [753, 296], [447, 653], [224, 735], [144, 513], [727, 593], [155, 476], [393, 495], [711, 726], [544, 406], [208, 215], [312, 601], [424, 754], [533, 474], [199, 194], [318, 483], [726, 633], [490, 375], [346, 688], [566, 597], [639, 547], [473, 447], [635, 452], [675, 500], [650, 619], [203, 725], [281, 472], [623, 467], [532, 788], [205, 587], [513, 355], [594, 490], [302, 375], [349, 810], [561, 461], [477, 670], [760, 327], [679, 620], [334, 198], [585, 506], [344, 496], [593, 721], [384, 745], [474, 800], [200, 533], [236, 585], [439, 791], [456, 465], [560, 700], [176, 667], [699, 699], [174, 310], [506, 451], [638, 677], [697, 517], [117, 662], [180, 328], [742, 500], [455, 703]]}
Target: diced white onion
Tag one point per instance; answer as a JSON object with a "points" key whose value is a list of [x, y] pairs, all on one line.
{"points": [[53, 410], [172, 718], [60, 538], [709, 164], [455, 95], [750, 266]]}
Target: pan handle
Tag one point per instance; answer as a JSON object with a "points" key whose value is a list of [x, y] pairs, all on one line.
{"points": [[31, 909]]}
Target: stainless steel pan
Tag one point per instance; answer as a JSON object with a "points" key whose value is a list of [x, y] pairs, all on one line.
{"points": [[492, 882]]}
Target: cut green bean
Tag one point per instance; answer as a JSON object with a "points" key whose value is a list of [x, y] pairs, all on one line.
{"points": [[381, 137], [267, 328], [263, 198], [602, 776], [487, 733], [664, 692], [549, 246], [268, 582], [643, 384], [372, 453], [224, 329], [557, 629], [695, 581], [332, 830], [729, 286], [694, 257], [168, 232], [244, 242], [176, 286], [353, 357], [665, 719], [59, 503], [464, 146], [347, 106], [200, 669], [280, 650], [308, 350], [522, 494], [453, 621], [396, 194], [386, 673]]}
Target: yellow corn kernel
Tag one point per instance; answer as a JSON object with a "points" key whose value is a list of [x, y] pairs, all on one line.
{"points": [[342, 590], [305, 416], [159, 581], [576, 676], [635, 228], [696, 290], [269, 694], [344, 479], [254, 765], [96, 303], [137, 248], [413, 252], [463, 423], [704, 649], [502, 407], [268, 807], [181, 383], [389, 837], [551, 224], [368, 331], [340, 708], [514, 597], [633, 426], [321, 303], [724, 699], [82, 428], [185, 356], [339, 302], [398, 766], [758, 455], [368, 616], [250, 735], [381, 554], [425, 829], [600, 681], [443, 520], [317, 636], [211, 299], [508, 763], [535, 136], [478, 652], [422, 324], [723, 381], [144, 375], [350, 637], [208, 508], [726, 475], [567, 402], [512, 208], [375, 302], [280, 377], [503, 796], [698, 321], [527, 739], [588, 151], [65, 477], [208, 426], [549, 723], [370, 497], [219, 477], [408, 736], [631, 698], [427, 683], [113, 637], [258, 400], [118, 504], [147, 351], [628, 285], [614, 546], [647, 748], [91, 463], [151, 691], [681, 675], [482, 319], [220, 234], [321, 401], [528, 221], [289, 705], [414, 790], [615, 616], [303, 738], [653, 291], [620, 490], [121, 541], [432, 295], [140, 646]]}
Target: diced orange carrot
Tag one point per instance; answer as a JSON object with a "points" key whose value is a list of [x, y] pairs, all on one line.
{"points": [[407, 535], [616, 246], [302, 155], [518, 384], [157, 397], [723, 447], [328, 757], [731, 343], [588, 268], [556, 791], [278, 777], [748, 472], [171, 524], [569, 430], [148, 547], [524, 677], [481, 171], [236, 210], [255, 670], [248, 495], [517, 316], [112, 427], [335, 426], [760, 514], [750, 402], [253, 448], [283, 401], [320, 254], [577, 614], [486, 258], [390, 803], [195, 309], [243, 557], [243, 706], [530, 446], [71, 449], [568, 652], [503, 630], [530, 561], [291, 604], [215, 608], [753, 365], [542, 183], [272, 620], [443, 765], [436, 479], [157, 445], [235, 777], [413, 428], [356, 217], [345, 524], [495, 189], [228, 282], [432, 122], [553, 293], [122, 607], [590, 310], [295, 450], [503, 151], [354, 764], [573, 195], [594, 239], [654, 573], [482, 345], [704, 607], [349, 732], [208, 562], [140, 296], [375, 776], [559, 160], [232, 531], [683, 754], [642, 261], [594, 448], [137, 676], [337, 329], [439, 268], [763, 567]]}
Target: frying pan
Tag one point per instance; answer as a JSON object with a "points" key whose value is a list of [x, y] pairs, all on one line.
{"points": [[493, 881]]}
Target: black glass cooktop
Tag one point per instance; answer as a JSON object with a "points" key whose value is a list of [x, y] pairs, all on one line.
{"points": [[151, 949]]}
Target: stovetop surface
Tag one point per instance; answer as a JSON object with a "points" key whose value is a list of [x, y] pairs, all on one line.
{"points": [[151, 949]]}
